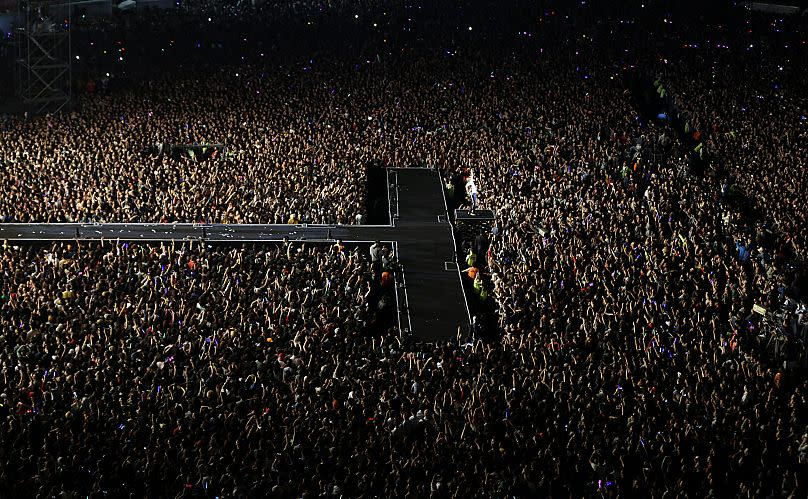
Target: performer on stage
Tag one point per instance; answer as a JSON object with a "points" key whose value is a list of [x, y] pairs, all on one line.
{"points": [[471, 190]]}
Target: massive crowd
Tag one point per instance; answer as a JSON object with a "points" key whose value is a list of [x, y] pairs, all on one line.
{"points": [[755, 135], [127, 367], [627, 361], [277, 163]]}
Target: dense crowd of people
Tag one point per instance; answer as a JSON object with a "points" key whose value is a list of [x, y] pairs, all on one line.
{"points": [[276, 163], [627, 358], [754, 135], [137, 351]]}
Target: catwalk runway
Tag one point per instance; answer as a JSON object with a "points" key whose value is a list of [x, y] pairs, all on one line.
{"points": [[432, 306]]}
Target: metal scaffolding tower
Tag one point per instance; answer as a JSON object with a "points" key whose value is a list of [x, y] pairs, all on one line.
{"points": [[44, 58]]}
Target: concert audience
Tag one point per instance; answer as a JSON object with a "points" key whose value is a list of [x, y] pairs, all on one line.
{"points": [[627, 362], [754, 135]]}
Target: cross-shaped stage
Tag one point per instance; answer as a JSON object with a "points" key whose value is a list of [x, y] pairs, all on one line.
{"points": [[431, 303]]}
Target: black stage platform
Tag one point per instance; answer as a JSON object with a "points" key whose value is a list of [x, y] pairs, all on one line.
{"points": [[433, 305], [468, 226], [425, 243], [478, 215]]}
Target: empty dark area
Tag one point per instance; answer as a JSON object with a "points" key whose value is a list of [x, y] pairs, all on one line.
{"points": [[378, 203]]}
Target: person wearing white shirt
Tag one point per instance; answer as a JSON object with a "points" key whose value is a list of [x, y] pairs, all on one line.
{"points": [[471, 190]]}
